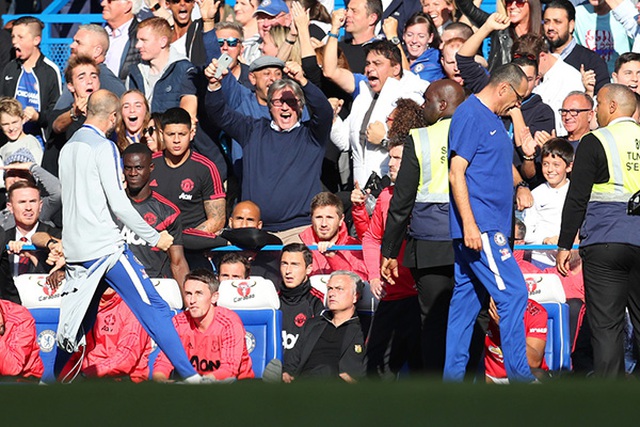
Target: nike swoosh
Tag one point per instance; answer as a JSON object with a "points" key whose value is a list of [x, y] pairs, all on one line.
{"points": [[8, 77], [493, 132]]}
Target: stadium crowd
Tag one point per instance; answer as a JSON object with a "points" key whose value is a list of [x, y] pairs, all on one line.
{"points": [[181, 126]]}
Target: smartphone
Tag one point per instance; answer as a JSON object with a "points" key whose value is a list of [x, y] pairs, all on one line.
{"points": [[223, 64]]}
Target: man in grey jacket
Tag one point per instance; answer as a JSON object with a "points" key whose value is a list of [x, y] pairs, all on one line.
{"points": [[90, 175]]}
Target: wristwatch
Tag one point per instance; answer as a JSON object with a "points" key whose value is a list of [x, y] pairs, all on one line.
{"points": [[395, 40], [522, 183]]}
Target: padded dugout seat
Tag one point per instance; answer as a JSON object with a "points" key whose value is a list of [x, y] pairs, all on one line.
{"points": [[547, 290], [257, 303]]}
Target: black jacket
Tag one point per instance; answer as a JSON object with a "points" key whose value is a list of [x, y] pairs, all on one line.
{"points": [[131, 55], [195, 44], [352, 359], [298, 306], [41, 254], [49, 82]]}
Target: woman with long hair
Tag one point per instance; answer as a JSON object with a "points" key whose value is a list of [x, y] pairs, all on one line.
{"points": [[134, 117], [525, 17]]}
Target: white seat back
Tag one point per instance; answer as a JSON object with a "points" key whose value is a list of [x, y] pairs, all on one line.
{"points": [[169, 290], [35, 293], [544, 288], [253, 293]]}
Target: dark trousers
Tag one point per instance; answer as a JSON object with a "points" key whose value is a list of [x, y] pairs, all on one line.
{"points": [[435, 288], [611, 283], [394, 338]]}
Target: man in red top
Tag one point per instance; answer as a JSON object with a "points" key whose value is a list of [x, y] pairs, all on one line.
{"points": [[328, 229], [117, 345], [535, 327], [19, 351], [212, 336], [394, 337]]}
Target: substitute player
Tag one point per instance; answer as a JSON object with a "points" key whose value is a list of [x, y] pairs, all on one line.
{"points": [[91, 189]]}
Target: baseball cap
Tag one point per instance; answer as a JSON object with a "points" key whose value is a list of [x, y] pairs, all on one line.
{"points": [[272, 7], [21, 155], [266, 62]]}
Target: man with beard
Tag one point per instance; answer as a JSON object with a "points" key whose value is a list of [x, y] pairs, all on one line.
{"points": [[558, 23]]}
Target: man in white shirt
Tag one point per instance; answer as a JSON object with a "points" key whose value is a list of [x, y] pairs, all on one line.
{"points": [[121, 27]]}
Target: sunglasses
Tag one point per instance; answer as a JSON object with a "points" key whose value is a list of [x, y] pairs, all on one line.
{"points": [[573, 112], [150, 130], [519, 3], [178, 1], [279, 102], [529, 56], [231, 41]]}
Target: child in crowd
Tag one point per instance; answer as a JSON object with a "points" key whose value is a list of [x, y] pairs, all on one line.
{"points": [[543, 218], [11, 121]]}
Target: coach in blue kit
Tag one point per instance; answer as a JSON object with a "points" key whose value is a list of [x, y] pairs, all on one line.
{"points": [[480, 173]]}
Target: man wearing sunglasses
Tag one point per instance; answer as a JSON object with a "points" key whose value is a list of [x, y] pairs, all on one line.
{"points": [[230, 38], [187, 33], [282, 156]]}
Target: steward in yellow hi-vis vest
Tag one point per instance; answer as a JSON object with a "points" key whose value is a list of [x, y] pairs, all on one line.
{"points": [[419, 211], [606, 173]]}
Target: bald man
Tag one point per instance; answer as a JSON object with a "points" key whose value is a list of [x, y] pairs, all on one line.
{"points": [[92, 40], [245, 215], [423, 204], [605, 175], [90, 174]]}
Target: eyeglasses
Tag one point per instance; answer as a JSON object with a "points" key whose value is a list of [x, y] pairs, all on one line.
{"points": [[519, 97], [231, 41], [279, 102], [519, 3], [178, 1], [150, 130], [529, 56], [573, 112]]}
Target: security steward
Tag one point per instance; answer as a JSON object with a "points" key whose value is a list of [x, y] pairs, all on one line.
{"points": [[605, 176], [421, 197]]}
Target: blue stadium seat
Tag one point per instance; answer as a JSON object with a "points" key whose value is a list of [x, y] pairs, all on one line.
{"points": [[263, 335], [557, 352], [46, 327]]}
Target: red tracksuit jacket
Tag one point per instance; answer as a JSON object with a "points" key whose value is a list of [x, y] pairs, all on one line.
{"points": [[220, 351], [19, 350]]}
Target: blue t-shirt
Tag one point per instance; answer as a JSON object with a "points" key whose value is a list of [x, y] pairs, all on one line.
{"points": [[28, 94], [478, 135]]}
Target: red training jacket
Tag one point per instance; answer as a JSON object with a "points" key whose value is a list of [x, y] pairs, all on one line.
{"points": [[19, 350], [373, 230], [220, 351]]}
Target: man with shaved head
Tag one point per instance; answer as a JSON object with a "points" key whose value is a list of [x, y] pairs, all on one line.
{"points": [[96, 253], [421, 200], [245, 214], [605, 176]]}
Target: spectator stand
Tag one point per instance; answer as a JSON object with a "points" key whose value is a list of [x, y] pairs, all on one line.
{"points": [[57, 49]]}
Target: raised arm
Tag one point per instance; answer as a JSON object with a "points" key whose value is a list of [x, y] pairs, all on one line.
{"points": [[340, 76]]}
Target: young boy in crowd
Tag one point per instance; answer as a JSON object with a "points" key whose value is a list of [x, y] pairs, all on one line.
{"points": [[543, 218], [11, 120]]}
